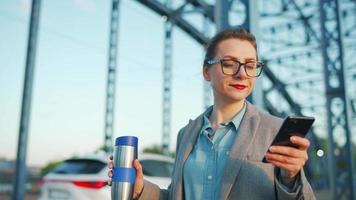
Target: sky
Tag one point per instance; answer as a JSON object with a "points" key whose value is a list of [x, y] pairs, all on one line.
{"points": [[68, 99]]}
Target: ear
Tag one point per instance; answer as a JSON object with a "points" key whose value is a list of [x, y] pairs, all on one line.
{"points": [[206, 73]]}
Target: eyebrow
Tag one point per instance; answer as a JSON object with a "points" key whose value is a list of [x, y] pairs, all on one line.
{"points": [[234, 58]]}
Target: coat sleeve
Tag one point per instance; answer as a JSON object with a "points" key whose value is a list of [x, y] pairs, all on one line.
{"points": [[301, 190], [150, 190]]}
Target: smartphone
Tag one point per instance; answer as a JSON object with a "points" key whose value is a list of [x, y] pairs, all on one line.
{"points": [[292, 126]]}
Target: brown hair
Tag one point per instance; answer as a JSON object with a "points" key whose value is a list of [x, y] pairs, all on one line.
{"points": [[229, 33]]}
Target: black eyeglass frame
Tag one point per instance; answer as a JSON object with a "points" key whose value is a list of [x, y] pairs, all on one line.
{"points": [[258, 64]]}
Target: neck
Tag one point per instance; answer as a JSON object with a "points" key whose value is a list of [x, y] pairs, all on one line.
{"points": [[223, 112]]}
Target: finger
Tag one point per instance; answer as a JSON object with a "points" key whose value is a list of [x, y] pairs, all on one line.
{"points": [[110, 165], [138, 168], [292, 169], [281, 165], [284, 159], [138, 188], [110, 176], [289, 151], [303, 143]]}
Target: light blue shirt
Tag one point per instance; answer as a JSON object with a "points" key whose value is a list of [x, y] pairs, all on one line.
{"points": [[205, 165]]}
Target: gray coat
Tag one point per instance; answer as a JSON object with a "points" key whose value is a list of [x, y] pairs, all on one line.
{"points": [[245, 175]]}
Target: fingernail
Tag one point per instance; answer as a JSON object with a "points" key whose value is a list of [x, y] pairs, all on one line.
{"points": [[292, 138], [271, 148]]}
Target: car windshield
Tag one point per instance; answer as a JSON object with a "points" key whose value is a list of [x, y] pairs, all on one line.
{"points": [[79, 166], [156, 168]]}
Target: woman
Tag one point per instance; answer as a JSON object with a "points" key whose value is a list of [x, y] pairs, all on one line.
{"points": [[219, 154]]}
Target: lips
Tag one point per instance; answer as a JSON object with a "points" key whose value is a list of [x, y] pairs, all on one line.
{"points": [[238, 86]]}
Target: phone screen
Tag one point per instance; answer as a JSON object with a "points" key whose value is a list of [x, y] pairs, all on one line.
{"points": [[293, 125]]}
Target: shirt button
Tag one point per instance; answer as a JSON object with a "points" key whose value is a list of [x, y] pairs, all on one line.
{"points": [[210, 177]]}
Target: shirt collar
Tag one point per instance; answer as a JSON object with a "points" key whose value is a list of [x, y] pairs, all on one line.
{"points": [[238, 117], [236, 120], [206, 122]]}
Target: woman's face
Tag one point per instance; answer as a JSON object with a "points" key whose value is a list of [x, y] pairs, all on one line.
{"points": [[228, 88]]}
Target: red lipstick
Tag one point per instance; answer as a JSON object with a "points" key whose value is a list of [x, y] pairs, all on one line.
{"points": [[239, 86]]}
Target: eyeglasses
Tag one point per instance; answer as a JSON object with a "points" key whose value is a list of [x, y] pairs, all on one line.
{"points": [[232, 67]]}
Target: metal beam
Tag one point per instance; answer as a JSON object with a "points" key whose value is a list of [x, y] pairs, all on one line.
{"points": [[21, 171], [305, 20], [221, 14], [111, 79], [178, 20], [206, 84], [340, 155], [208, 10], [167, 84], [282, 89]]}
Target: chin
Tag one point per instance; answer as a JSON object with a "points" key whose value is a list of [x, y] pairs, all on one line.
{"points": [[236, 98], [233, 96], [239, 95]]}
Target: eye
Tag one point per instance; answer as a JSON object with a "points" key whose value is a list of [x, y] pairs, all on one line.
{"points": [[251, 65], [228, 63]]}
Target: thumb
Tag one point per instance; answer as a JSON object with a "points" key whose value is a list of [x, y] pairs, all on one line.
{"points": [[138, 188]]}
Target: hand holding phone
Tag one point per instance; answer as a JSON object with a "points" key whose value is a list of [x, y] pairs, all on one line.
{"points": [[292, 126]]}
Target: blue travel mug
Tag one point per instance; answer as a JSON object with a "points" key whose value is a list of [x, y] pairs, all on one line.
{"points": [[124, 175]]}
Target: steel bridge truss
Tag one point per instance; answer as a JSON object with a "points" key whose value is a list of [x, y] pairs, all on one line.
{"points": [[294, 45]]}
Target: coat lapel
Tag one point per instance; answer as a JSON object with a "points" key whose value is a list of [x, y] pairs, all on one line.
{"points": [[243, 140], [189, 138]]}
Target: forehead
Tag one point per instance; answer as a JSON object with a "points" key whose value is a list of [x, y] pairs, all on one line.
{"points": [[241, 49]]}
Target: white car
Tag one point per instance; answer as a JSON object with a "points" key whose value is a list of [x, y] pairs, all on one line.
{"points": [[86, 177]]}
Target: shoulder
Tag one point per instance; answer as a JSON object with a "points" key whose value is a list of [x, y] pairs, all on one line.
{"points": [[267, 122], [193, 125], [270, 119]]}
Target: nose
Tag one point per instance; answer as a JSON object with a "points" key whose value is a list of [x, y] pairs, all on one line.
{"points": [[241, 73]]}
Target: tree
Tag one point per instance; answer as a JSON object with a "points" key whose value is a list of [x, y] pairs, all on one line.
{"points": [[157, 149], [49, 167]]}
